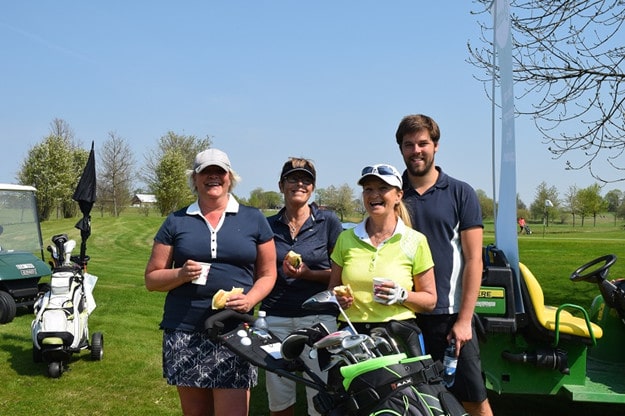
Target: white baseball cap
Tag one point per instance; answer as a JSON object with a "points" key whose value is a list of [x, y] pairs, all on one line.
{"points": [[211, 157], [386, 172]]}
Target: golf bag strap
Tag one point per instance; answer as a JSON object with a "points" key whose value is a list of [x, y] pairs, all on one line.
{"points": [[370, 397]]}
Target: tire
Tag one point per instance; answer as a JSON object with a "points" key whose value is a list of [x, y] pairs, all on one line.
{"points": [[37, 355], [55, 369], [8, 308], [97, 346]]}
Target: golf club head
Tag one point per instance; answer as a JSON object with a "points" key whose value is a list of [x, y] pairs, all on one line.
{"points": [[352, 341], [382, 345], [382, 333], [332, 339], [59, 241], [68, 247], [336, 359], [292, 346], [321, 301]]}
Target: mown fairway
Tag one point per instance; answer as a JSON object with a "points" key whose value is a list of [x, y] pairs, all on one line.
{"points": [[128, 380]]}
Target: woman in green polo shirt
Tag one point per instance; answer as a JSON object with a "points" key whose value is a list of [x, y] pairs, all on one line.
{"points": [[384, 246]]}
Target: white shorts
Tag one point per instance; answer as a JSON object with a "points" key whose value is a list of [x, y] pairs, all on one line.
{"points": [[281, 392]]}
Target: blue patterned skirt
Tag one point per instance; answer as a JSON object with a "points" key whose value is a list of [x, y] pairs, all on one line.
{"points": [[191, 359]]}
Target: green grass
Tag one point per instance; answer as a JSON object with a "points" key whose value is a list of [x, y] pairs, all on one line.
{"points": [[128, 380]]}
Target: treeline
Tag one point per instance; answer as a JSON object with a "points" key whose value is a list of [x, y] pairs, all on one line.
{"points": [[55, 164]]}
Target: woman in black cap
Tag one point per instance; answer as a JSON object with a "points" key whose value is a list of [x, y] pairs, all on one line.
{"points": [[311, 232]]}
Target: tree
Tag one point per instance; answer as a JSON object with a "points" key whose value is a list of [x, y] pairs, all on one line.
{"points": [[54, 167], [486, 204], [521, 208], [265, 199], [539, 208], [115, 174], [590, 202], [170, 186], [612, 201], [338, 199], [186, 146], [569, 73], [571, 199]]}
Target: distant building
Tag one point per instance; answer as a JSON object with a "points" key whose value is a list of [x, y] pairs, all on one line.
{"points": [[142, 200]]}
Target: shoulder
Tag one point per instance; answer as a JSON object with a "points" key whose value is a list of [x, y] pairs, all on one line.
{"points": [[454, 183], [250, 211]]}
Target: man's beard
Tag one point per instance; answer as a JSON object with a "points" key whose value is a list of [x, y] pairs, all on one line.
{"points": [[427, 166]]}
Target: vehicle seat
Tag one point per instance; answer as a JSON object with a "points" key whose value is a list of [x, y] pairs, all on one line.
{"points": [[545, 316]]}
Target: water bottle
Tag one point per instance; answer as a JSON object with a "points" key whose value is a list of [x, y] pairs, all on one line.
{"points": [[261, 322], [450, 361]]}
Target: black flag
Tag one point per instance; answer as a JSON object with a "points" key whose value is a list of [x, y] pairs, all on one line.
{"points": [[85, 196]]}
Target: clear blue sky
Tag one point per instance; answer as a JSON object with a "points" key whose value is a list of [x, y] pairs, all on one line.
{"points": [[326, 80]]}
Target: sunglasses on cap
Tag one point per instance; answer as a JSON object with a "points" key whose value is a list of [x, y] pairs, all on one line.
{"points": [[380, 170]]}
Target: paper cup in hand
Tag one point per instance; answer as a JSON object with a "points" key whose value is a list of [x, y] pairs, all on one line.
{"points": [[377, 282], [201, 279]]}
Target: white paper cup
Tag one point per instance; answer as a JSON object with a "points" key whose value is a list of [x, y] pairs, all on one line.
{"points": [[201, 279], [377, 282]]}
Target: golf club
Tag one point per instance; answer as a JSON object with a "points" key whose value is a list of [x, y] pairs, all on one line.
{"points": [[324, 298]]}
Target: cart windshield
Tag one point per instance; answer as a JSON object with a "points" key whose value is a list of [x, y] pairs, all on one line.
{"points": [[19, 223]]}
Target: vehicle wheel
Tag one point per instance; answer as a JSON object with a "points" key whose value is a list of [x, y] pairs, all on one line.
{"points": [[55, 369], [7, 308], [97, 346], [37, 355]]}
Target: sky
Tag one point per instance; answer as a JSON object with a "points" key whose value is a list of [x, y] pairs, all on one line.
{"points": [[265, 80]]}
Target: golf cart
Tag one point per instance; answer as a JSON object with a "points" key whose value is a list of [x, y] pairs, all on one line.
{"points": [[22, 262], [530, 348]]}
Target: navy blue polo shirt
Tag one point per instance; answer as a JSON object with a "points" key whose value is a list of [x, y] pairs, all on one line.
{"points": [[441, 213], [231, 250], [314, 242]]}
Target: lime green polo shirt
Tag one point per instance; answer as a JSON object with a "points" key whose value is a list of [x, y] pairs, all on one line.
{"points": [[405, 254]]}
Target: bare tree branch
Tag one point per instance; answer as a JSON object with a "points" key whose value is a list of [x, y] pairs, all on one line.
{"points": [[569, 72]]}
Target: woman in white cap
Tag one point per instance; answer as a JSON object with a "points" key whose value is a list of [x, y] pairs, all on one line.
{"points": [[234, 244], [383, 246]]}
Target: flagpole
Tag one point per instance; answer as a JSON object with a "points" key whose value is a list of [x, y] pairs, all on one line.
{"points": [[492, 117]]}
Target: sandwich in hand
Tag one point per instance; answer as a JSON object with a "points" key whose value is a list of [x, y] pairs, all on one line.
{"points": [[221, 297], [344, 290], [294, 259]]}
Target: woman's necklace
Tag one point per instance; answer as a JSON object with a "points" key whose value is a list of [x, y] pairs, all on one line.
{"points": [[293, 224]]}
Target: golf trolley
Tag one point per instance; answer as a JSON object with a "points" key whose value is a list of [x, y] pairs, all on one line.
{"points": [[60, 327], [382, 373]]}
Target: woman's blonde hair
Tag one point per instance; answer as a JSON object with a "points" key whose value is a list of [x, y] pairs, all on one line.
{"points": [[402, 212]]}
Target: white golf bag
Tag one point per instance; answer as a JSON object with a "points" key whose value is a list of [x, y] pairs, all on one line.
{"points": [[60, 327]]}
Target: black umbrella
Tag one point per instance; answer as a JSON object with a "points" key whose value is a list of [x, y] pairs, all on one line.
{"points": [[85, 196]]}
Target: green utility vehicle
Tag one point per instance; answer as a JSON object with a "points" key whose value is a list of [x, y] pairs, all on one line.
{"points": [[22, 262], [563, 350]]}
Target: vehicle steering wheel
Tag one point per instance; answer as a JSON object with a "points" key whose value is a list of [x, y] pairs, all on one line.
{"points": [[597, 275]]}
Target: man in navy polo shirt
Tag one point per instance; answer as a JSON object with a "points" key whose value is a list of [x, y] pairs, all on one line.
{"points": [[448, 212]]}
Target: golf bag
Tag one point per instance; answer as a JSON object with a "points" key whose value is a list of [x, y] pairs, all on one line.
{"points": [[403, 381], [389, 382], [398, 385], [60, 327]]}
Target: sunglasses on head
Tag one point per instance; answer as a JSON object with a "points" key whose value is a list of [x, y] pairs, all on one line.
{"points": [[379, 169]]}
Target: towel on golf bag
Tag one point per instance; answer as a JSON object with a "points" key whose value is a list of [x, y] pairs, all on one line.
{"points": [[396, 385]]}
